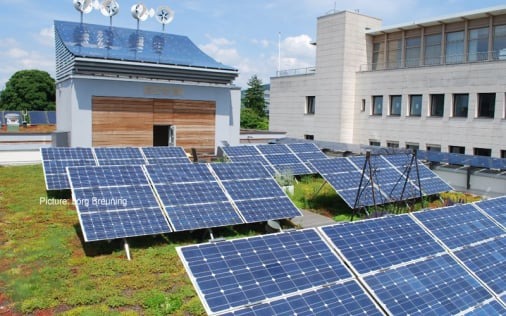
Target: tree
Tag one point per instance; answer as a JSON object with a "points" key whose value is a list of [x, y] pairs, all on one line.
{"points": [[31, 90], [254, 96], [251, 120]]}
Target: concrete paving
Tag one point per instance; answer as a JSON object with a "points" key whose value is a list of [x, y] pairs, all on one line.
{"points": [[310, 219], [20, 157]]}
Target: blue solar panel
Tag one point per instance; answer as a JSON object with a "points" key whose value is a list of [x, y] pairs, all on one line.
{"points": [[55, 172], [234, 151], [122, 224], [253, 189], [436, 286], [400, 160], [293, 169], [459, 225], [172, 161], [434, 186], [304, 148], [38, 117], [51, 117], [113, 153], [337, 299], [235, 171], [116, 43], [400, 191], [190, 193], [189, 217], [231, 274], [179, 173], [121, 162], [376, 162], [67, 153], [491, 308], [332, 165], [496, 208], [488, 262], [57, 182], [164, 152], [273, 149], [106, 176], [283, 159], [311, 156], [380, 243]]}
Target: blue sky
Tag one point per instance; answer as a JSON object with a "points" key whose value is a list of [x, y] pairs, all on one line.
{"points": [[243, 34]]}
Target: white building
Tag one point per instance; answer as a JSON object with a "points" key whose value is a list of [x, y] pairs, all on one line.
{"points": [[127, 87], [434, 85]]}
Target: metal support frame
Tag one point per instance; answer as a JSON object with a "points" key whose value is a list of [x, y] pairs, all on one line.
{"points": [[127, 249], [367, 162]]}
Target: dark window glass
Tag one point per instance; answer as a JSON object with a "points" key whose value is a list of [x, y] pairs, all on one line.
{"points": [[394, 54], [310, 105], [412, 51], [412, 146], [432, 49], [486, 105], [457, 149], [393, 144], [483, 152], [478, 44], [374, 143], [460, 104], [309, 137], [395, 105], [415, 105], [377, 105], [454, 47], [437, 104], [434, 148], [500, 42], [378, 54]]}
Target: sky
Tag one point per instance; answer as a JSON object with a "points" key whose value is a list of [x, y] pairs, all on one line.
{"points": [[243, 34]]}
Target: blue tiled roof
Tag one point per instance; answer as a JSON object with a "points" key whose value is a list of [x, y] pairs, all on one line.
{"points": [[116, 43]]}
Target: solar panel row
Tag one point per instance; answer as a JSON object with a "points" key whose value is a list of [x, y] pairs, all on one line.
{"points": [[385, 179], [189, 196], [56, 159], [278, 158], [405, 262]]}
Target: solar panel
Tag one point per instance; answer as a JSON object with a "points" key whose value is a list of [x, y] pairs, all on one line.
{"points": [[436, 286], [380, 243], [192, 197], [115, 199], [491, 308], [496, 208], [333, 165], [304, 148], [234, 273], [117, 153], [38, 117], [336, 299], [488, 261], [51, 117], [459, 225], [233, 171], [67, 153], [106, 176], [273, 149], [236, 151]]}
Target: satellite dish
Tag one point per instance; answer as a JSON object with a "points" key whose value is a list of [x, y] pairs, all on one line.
{"points": [[164, 15], [140, 12], [83, 6], [109, 8]]}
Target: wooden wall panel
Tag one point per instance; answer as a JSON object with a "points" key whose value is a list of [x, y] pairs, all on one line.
{"points": [[195, 125]]}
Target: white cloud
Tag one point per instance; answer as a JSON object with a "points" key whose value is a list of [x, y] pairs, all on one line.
{"points": [[262, 42], [222, 50], [298, 47], [46, 36]]}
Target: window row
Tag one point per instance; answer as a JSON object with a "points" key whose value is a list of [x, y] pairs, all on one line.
{"points": [[441, 48], [477, 151], [486, 103]]}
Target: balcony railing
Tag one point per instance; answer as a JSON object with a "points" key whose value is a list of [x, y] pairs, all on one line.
{"points": [[478, 57], [295, 72]]}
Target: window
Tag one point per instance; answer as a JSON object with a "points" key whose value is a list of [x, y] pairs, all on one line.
{"points": [[374, 143], [478, 44], [377, 105], [432, 49], [362, 108], [392, 144], [454, 47], [437, 105], [500, 42], [412, 146], [415, 105], [395, 105], [486, 105], [309, 137], [435, 148], [503, 153], [460, 104], [378, 55], [310, 104], [394, 54], [457, 149], [413, 52], [487, 152]]}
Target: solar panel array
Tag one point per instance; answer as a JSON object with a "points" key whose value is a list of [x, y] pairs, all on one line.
{"points": [[399, 265], [385, 179], [42, 117], [56, 159], [463, 160], [278, 158], [183, 196]]}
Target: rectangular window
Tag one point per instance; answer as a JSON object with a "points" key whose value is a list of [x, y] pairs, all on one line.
{"points": [[362, 108], [437, 105], [454, 47], [460, 104], [478, 44], [395, 105], [374, 143], [310, 104], [412, 146], [378, 55], [457, 149], [413, 51], [377, 105], [487, 152], [394, 54], [415, 105], [503, 153], [486, 105], [392, 144], [435, 148], [432, 49], [309, 137], [500, 42]]}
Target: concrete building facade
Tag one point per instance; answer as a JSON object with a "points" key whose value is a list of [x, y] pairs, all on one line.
{"points": [[433, 85]]}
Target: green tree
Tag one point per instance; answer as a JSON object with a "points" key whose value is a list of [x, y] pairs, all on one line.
{"points": [[254, 96], [251, 120], [31, 90]]}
